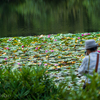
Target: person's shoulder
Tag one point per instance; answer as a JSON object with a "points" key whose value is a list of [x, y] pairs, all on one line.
{"points": [[85, 58]]}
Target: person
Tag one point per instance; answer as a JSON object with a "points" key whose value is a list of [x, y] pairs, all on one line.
{"points": [[90, 62]]}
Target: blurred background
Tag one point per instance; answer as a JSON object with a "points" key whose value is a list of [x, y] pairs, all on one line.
{"points": [[35, 17]]}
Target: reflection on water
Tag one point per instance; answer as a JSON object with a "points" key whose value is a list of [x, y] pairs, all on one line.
{"points": [[34, 17]]}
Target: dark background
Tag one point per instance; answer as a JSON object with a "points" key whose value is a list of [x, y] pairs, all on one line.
{"points": [[35, 17]]}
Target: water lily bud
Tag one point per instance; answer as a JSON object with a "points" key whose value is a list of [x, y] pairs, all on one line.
{"points": [[88, 34], [82, 34], [46, 51], [56, 64], [99, 51], [9, 39], [36, 48], [48, 36], [55, 40], [22, 46], [7, 48], [18, 63], [78, 37], [45, 64], [52, 50], [5, 58]]}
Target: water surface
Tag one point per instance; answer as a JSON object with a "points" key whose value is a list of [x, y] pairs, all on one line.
{"points": [[34, 17]]}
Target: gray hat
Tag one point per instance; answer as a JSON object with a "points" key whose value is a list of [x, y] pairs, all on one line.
{"points": [[90, 44]]}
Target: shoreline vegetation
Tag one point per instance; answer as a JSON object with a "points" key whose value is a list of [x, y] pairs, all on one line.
{"points": [[44, 67], [32, 17]]}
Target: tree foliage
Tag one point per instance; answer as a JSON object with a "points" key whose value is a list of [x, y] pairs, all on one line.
{"points": [[31, 17]]}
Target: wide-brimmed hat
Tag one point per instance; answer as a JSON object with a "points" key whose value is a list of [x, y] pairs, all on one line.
{"points": [[90, 44]]}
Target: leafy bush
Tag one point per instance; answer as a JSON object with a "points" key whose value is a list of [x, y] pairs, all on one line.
{"points": [[92, 91], [25, 83], [33, 83]]}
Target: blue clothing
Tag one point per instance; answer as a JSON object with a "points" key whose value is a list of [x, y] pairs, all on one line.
{"points": [[84, 66]]}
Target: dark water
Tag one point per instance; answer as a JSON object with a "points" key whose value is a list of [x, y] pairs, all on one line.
{"points": [[34, 17]]}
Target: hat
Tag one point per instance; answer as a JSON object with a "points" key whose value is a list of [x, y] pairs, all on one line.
{"points": [[90, 44]]}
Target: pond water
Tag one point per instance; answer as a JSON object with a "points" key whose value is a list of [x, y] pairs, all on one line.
{"points": [[35, 17]]}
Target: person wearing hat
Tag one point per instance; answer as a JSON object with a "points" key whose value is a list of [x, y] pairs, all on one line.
{"points": [[91, 61]]}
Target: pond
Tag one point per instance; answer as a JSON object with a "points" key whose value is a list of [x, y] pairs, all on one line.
{"points": [[35, 17]]}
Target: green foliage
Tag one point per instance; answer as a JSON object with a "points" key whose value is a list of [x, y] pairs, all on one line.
{"points": [[12, 1], [33, 83], [92, 91], [34, 17], [21, 78], [26, 82]]}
